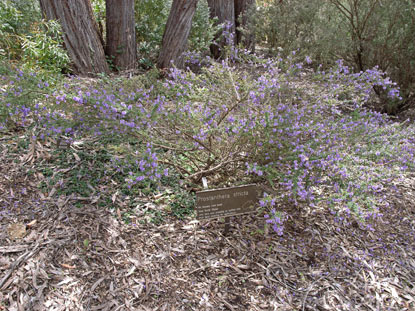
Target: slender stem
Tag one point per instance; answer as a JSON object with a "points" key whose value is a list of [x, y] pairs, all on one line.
{"points": [[211, 170]]}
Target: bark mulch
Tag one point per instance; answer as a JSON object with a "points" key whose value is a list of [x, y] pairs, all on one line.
{"points": [[66, 253]]}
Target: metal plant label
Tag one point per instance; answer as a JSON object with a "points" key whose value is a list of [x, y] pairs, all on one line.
{"points": [[226, 202]]}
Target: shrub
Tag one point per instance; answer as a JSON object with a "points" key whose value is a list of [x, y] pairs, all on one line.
{"points": [[365, 33], [286, 25], [9, 25], [378, 34], [203, 29], [312, 141], [15, 20], [151, 18], [19, 91], [24, 37], [43, 48]]}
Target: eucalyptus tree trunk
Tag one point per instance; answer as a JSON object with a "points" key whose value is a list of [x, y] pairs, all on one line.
{"points": [[176, 33], [121, 44], [80, 33], [224, 10], [242, 8]]}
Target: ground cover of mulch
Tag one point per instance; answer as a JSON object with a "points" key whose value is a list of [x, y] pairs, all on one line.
{"points": [[66, 253]]}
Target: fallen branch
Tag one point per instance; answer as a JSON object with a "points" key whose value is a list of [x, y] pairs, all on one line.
{"points": [[13, 249]]}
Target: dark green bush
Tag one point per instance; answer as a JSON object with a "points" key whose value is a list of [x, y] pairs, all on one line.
{"points": [[43, 48], [151, 17], [25, 37], [10, 18], [365, 33], [150, 20]]}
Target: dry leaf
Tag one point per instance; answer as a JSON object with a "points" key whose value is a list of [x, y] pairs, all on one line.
{"points": [[114, 196], [77, 158], [16, 230], [67, 266], [119, 213], [32, 223]]}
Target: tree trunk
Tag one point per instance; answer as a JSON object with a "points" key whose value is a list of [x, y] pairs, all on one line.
{"points": [[80, 34], [242, 8], [121, 46], [176, 33], [224, 10]]}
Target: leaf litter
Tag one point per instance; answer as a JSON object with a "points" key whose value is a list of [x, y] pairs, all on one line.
{"points": [[75, 255]]}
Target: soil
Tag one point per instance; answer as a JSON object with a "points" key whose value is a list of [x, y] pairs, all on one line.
{"points": [[70, 254]]}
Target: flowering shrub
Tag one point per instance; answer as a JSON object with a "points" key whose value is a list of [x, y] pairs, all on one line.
{"points": [[333, 29], [305, 133], [274, 217]]}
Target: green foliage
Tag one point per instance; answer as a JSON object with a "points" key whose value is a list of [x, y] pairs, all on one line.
{"points": [[286, 25], [15, 20], [29, 10], [25, 37], [203, 29], [150, 20], [373, 33], [10, 19], [364, 33], [99, 9], [17, 16], [182, 204], [43, 48]]}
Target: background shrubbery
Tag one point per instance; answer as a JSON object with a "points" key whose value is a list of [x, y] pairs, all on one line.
{"points": [[365, 33], [151, 18], [26, 38]]}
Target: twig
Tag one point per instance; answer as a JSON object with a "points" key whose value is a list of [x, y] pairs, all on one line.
{"points": [[6, 138], [220, 165], [280, 282], [171, 148], [238, 97], [200, 143], [309, 289], [230, 307], [198, 269], [18, 261], [13, 249]]}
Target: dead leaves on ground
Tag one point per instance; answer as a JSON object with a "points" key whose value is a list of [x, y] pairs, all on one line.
{"points": [[189, 265]]}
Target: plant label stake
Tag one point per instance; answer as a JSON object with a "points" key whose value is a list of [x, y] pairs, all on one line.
{"points": [[226, 202]]}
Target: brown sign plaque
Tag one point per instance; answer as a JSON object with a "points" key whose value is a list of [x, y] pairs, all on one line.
{"points": [[226, 202]]}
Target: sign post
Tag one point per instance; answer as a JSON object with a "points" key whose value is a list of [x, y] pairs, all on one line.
{"points": [[225, 202]]}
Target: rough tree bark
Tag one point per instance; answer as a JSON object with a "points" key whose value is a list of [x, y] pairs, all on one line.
{"points": [[241, 20], [121, 46], [224, 10], [176, 33], [80, 34], [233, 11]]}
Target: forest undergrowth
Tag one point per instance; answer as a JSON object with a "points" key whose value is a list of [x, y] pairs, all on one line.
{"points": [[77, 149], [304, 133]]}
